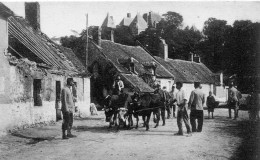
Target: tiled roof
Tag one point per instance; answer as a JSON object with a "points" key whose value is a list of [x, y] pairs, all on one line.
{"points": [[108, 22], [137, 83], [116, 51], [73, 58], [187, 71], [126, 21], [42, 48]]}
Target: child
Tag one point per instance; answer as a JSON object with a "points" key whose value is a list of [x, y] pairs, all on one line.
{"points": [[210, 104]]}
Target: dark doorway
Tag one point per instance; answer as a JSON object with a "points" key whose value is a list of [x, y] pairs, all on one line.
{"points": [[58, 100], [37, 88]]}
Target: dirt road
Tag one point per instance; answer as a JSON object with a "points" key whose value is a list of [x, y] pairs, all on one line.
{"points": [[221, 138]]}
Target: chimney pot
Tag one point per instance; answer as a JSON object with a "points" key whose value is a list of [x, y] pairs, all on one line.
{"points": [[99, 36], [32, 14]]}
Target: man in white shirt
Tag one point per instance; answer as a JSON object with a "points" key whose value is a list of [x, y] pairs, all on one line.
{"points": [[182, 114], [196, 102]]}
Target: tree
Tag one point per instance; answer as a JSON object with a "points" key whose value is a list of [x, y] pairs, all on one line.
{"points": [[212, 47]]}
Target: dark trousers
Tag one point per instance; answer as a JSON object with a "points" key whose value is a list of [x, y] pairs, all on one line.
{"points": [[67, 120], [163, 114], [234, 106], [183, 116], [196, 114], [168, 109]]}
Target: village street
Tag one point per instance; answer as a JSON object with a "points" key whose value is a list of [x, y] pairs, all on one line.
{"points": [[222, 138]]}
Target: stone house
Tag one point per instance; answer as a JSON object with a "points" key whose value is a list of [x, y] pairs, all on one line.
{"points": [[192, 71], [34, 70], [106, 59]]}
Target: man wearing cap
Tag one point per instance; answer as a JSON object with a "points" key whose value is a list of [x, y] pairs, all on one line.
{"points": [[118, 85], [67, 108], [196, 102], [182, 114]]}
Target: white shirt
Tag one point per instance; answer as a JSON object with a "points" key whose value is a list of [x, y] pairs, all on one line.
{"points": [[181, 97]]}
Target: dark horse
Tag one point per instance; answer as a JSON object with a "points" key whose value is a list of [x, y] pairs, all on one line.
{"points": [[144, 105]]}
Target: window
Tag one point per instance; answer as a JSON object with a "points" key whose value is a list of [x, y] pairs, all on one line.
{"points": [[37, 89], [58, 91]]}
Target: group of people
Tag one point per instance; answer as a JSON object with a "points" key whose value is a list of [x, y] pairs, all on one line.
{"points": [[179, 101], [174, 100]]}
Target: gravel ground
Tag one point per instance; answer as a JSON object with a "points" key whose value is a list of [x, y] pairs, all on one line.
{"points": [[221, 138]]}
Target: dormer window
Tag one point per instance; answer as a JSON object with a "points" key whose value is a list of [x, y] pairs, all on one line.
{"points": [[128, 63]]}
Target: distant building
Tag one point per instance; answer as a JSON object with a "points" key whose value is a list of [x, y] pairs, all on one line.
{"points": [[108, 27], [152, 19], [191, 71], [126, 21], [33, 70], [138, 25]]}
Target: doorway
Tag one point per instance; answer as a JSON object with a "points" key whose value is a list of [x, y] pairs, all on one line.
{"points": [[58, 101]]}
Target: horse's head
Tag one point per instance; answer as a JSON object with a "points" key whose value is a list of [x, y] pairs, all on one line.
{"points": [[122, 114]]}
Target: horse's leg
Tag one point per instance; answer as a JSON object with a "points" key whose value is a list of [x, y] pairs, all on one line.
{"points": [[143, 117], [110, 122], [130, 121], [157, 116], [115, 119], [147, 121], [137, 120]]}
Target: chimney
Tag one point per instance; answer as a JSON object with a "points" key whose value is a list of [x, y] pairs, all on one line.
{"points": [[221, 78], [191, 57], [163, 50], [99, 37], [196, 58], [32, 14], [128, 15], [112, 35]]}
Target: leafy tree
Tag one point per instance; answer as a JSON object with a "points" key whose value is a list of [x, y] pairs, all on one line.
{"points": [[123, 36]]}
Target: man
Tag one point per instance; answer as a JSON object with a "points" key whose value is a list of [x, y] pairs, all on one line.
{"points": [[167, 98], [165, 101], [67, 108], [233, 96], [196, 102], [173, 100], [118, 85], [182, 114]]}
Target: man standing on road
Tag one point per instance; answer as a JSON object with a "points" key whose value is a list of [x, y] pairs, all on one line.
{"points": [[67, 108], [182, 114], [173, 100], [196, 102], [233, 96]]}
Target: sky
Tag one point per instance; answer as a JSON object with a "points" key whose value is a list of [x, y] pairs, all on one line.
{"points": [[58, 18]]}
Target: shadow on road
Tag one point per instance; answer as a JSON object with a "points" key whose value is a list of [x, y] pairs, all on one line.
{"points": [[249, 132], [96, 129]]}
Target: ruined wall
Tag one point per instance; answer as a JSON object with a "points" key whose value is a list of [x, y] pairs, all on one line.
{"points": [[83, 96]]}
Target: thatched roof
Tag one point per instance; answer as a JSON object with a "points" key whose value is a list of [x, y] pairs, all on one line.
{"points": [[187, 71], [116, 51]]}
